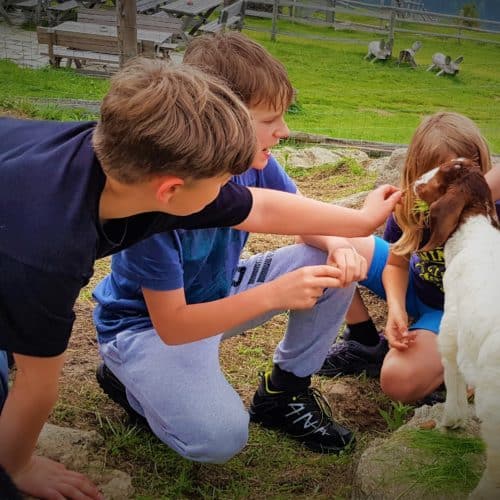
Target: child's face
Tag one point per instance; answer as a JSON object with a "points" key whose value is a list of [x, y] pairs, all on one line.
{"points": [[194, 195], [270, 127]]}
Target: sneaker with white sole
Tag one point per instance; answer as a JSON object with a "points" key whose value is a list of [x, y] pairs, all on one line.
{"points": [[304, 416]]}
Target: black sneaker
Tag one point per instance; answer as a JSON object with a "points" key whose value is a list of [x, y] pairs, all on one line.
{"points": [[110, 384], [304, 416], [349, 357]]}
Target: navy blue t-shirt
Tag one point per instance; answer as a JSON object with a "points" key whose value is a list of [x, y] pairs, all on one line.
{"points": [[50, 233]]}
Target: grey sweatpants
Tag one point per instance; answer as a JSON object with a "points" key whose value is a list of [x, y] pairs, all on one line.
{"points": [[181, 389]]}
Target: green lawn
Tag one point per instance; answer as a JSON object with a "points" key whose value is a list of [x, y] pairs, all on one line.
{"points": [[338, 93]]}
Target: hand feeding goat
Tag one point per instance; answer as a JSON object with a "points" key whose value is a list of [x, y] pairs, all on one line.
{"points": [[464, 219]]}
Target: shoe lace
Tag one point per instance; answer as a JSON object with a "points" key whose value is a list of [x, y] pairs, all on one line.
{"points": [[319, 401]]}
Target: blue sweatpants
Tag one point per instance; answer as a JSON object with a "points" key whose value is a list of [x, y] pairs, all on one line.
{"points": [[181, 389]]}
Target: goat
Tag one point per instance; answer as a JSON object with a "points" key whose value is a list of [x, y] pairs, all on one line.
{"points": [[379, 49], [445, 64], [408, 55], [463, 219]]}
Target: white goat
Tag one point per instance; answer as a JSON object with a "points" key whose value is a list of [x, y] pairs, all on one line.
{"points": [[379, 49], [445, 64], [464, 219]]}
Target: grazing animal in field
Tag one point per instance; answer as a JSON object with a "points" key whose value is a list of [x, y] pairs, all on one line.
{"points": [[464, 219], [408, 55], [379, 49], [445, 64]]}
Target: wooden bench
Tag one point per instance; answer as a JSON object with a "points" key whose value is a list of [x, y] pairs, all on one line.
{"points": [[156, 22], [231, 16], [82, 48]]}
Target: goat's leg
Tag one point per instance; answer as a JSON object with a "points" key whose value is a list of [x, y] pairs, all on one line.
{"points": [[432, 66], [455, 407], [440, 72], [488, 411], [367, 55]]}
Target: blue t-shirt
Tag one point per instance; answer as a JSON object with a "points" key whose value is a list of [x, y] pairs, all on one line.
{"points": [[202, 262], [50, 233], [427, 268]]}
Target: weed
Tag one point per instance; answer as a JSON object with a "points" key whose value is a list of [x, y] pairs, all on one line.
{"points": [[396, 415]]}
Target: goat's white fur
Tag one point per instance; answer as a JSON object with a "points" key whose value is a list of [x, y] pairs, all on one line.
{"points": [[469, 338]]}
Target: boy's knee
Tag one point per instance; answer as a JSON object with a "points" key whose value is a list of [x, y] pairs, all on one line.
{"points": [[215, 440], [223, 441]]}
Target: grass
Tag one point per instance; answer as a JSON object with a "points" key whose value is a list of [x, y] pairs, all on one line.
{"points": [[338, 93], [455, 468]]}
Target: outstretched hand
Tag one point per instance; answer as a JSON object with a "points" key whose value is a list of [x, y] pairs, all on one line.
{"points": [[300, 289], [380, 203]]}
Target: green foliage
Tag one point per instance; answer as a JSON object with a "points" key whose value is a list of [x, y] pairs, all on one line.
{"points": [[470, 10], [396, 415]]}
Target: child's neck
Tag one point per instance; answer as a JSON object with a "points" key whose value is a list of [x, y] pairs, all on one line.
{"points": [[120, 200]]}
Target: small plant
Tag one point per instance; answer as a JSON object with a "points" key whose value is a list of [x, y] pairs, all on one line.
{"points": [[396, 415]]}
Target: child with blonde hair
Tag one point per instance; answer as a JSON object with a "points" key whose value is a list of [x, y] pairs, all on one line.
{"points": [[411, 281]]}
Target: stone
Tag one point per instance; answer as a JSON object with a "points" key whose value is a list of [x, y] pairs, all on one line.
{"points": [[379, 472], [81, 451]]}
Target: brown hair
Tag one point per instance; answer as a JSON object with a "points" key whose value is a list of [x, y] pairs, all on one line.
{"points": [[438, 137], [247, 68], [162, 119]]}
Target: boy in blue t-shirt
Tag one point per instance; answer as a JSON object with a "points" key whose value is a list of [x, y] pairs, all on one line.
{"points": [[168, 140], [188, 287]]}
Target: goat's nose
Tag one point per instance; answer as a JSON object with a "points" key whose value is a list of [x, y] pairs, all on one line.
{"points": [[425, 178]]}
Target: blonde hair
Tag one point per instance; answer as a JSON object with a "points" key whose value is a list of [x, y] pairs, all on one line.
{"points": [[437, 138], [160, 119], [248, 68]]}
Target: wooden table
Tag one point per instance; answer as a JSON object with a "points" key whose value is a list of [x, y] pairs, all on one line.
{"points": [[197, 11], [97, 35]]}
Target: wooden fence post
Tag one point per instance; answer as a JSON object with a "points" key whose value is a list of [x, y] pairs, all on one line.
{"points": [[391, 26], [274, 28], [126, 26]]}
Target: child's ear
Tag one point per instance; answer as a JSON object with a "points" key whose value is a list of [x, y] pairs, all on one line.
{"points": [[166, 187]]}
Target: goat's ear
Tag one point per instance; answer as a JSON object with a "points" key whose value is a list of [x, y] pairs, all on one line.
{"points": [[444, 215], [447, 60]]}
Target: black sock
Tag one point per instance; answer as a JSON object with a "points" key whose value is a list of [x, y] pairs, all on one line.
{"points": [[365, 333], [281, 380]]}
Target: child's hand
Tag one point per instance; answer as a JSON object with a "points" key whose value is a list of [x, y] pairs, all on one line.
{"points": [[352, 265], [396, 330], [380, 203], [300, 289], [44, 478]]}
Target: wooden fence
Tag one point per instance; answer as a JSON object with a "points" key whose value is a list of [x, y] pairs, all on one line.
{"points": [[384, 20]]}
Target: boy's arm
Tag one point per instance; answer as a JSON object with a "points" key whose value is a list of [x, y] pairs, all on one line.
{"points": [[493, 179], [284, 213], [177, 322], [28, 405]]}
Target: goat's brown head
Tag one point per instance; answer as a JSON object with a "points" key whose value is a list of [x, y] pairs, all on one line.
{"points": [[454, 191]]}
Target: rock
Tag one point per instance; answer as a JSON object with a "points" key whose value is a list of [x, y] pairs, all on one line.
{"points": [[79, 450], [307, 157], [388, 168], [380, 472]]}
